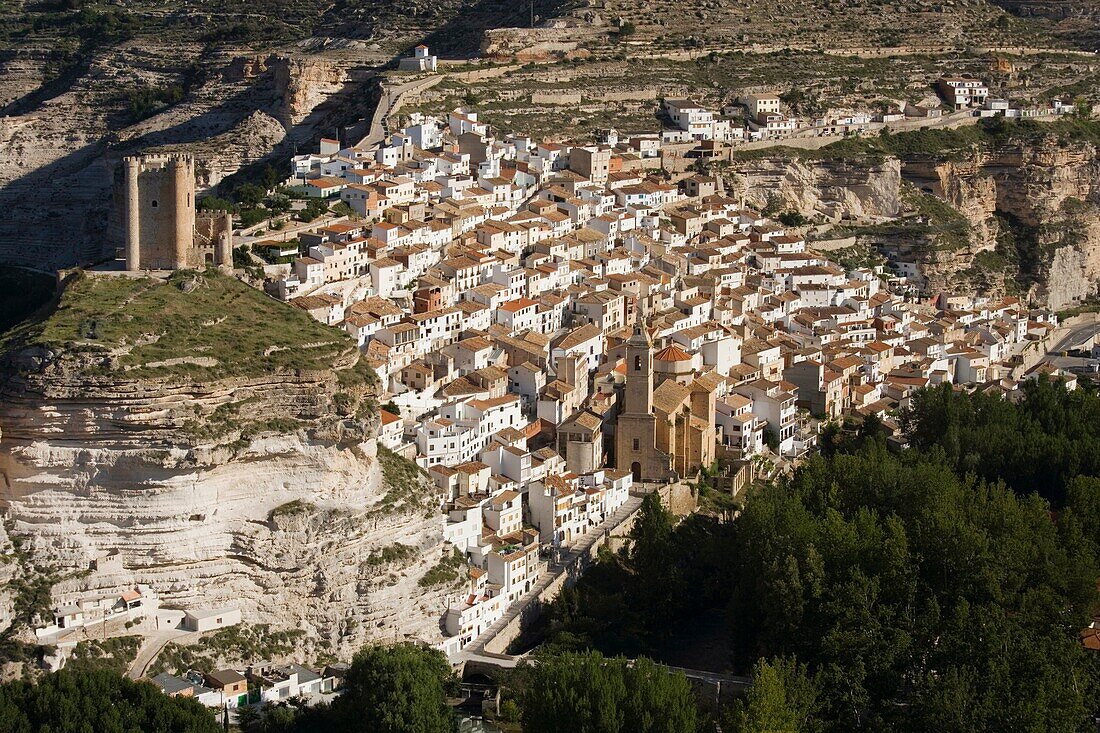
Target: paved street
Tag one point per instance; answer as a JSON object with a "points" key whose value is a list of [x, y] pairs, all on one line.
{"points": [[153, 645], [1076, 336], [390, 103]]}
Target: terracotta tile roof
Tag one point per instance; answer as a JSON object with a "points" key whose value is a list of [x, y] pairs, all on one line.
{"points": [[672, 353]]}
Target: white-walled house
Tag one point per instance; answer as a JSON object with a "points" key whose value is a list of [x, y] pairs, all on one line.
{"points": [[463, 429]]}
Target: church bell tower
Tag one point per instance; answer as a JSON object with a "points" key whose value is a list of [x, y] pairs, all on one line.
{"points": [[639, 369]]}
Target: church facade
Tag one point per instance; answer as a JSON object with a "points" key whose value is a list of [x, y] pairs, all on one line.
{"points": [[667, 431], [636, 429]]}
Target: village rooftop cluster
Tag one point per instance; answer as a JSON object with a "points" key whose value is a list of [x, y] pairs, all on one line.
{"points": [[558, 326]]}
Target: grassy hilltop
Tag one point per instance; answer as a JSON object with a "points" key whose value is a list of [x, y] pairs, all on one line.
{"points": [[204, 325]]}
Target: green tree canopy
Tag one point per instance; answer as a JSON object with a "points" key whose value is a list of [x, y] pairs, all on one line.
{"points": [[397, 689], [782, 699], [101, 701], [1039, 443], [249, 195], [388, 689], [589, 693], [918, 597]]}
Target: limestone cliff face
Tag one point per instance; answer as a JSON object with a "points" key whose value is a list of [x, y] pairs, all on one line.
{"points": [[248, 492], [537, 44], [303, 83], [1049, 192], [837, 189], [247, 142], [57, 157]]}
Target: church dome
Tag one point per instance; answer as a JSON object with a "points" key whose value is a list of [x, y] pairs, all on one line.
{"points": [[672, 354]]}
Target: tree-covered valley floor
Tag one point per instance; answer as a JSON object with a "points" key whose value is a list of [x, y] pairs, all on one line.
{"points": [[943, 587]]}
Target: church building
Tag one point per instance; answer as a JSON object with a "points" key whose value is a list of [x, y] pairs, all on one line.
{"points": [[668, 431]]}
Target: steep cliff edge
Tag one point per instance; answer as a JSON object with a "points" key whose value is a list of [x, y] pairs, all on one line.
{"points": [[223, 444], [835, 189], [1034, 208], [998, 207]]}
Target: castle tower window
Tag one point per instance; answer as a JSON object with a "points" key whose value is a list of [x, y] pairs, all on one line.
{"points": [[154, 203]]}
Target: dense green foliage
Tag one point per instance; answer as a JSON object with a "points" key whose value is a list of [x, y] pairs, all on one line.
{"points": [[391, 689], [900, 583], [588, 692], [144, 103], [922, 590], [99, 701], [783, 697], [1040, 444], [398, 689], [624, 603], [315, 208]]}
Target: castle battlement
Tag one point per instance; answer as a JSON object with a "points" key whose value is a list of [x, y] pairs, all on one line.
{"points": [[159, 200]]}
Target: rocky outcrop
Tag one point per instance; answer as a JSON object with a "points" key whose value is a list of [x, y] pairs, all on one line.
{"points": [[57, 157], [1046, 194], [835, 189], [247, 142], [303, 83], [537, 44], [252, 492]]}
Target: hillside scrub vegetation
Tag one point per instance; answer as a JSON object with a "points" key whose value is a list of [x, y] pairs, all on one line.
{"points": [[943, 143], [192, 324]]}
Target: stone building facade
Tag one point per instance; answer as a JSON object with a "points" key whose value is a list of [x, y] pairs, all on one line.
{"points": [[636, 429]]}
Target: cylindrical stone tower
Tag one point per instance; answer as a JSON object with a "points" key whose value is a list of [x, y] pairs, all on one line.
{"points": [[223, 257], [133, 214], [183, 186]]}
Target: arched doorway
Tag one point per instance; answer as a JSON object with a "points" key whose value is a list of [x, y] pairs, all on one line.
{"points": [[636, 469]]}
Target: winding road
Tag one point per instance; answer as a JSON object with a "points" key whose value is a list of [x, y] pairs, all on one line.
{"points": [[1076, 336], [153, 646], [389, 103]]}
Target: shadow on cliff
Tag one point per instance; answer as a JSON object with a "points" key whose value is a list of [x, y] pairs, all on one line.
{"points": [[57, 214], [35, 98], [460, 37]]}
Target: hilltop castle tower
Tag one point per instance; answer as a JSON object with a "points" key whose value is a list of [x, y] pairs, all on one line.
{"points": [[163, 231]]}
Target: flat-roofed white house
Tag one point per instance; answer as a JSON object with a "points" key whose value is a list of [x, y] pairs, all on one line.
{"points": [[210, 620]]}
